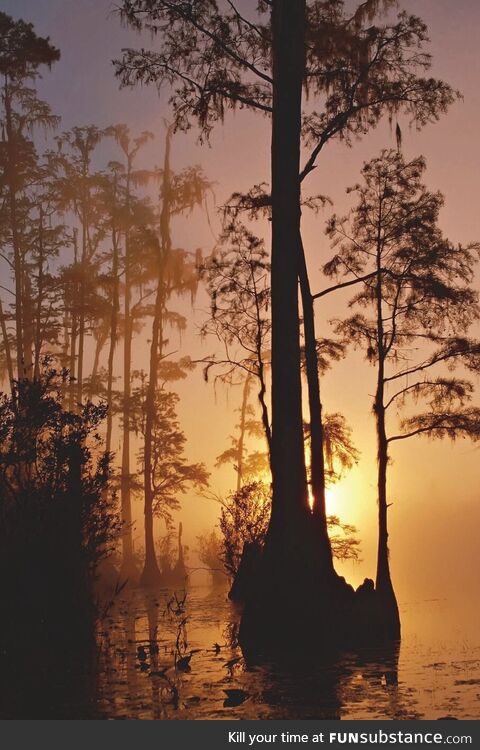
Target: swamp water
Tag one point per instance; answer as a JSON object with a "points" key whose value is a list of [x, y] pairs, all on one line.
{"points": [[165, 658]]}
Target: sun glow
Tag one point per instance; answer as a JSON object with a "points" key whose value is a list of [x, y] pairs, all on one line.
{"points": [[331, 499]]}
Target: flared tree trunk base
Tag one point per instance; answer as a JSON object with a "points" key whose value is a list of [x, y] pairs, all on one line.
{"points": [[179, 575], [151, 576], [387, 605], [317, 619], [296, 602]]}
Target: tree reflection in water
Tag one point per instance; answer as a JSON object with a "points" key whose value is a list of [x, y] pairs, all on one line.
{"points": [[181, 662]]}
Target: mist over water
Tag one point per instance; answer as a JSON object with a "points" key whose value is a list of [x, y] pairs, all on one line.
{"points": [[437, 673]]}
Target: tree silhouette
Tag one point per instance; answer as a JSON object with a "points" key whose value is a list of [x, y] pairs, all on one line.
{"points": [[248, 465], [113, 202], [22, 53], [209, 551], [91, 260], [56, 520], [135, 224], [215, 59], [176, 274], [81, 190], [244, 520], [48, 238], [172, 475], [237, 281], [420, 295]]}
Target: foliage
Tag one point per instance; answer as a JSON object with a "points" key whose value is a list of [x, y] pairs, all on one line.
{"points": [[340, 453], [172, 474], [418, 286], [167, 551], [57, 517], [215, 58], [343, 538], [21, 50], [237, 281], [22, 114], [339, 450], [52, 465], [210, 550], [249, 464], [244, 519]]}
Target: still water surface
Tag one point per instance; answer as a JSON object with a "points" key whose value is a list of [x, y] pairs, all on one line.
{"points": [[435, 674]]}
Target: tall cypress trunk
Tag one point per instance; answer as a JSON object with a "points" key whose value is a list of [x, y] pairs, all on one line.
{"points": [[6, 346], [100, 343], [383, 579], [28, 308], [38, 322], [295, 598], [289, 485], [151, 573], [72, 364], [17, 252], [274, 604], [12, 203], [113, 336], [82, 313], [317, 461], [74, 330], [128, 568], [241, 437], [179, 572], [261, 376], [181, 559], [65, 353], [383, 584]]}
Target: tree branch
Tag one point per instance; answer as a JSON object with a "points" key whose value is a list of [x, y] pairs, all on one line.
{"points": [[343, 285]]}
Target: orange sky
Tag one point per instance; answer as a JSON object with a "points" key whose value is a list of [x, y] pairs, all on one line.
{"points": [[434, 487]]}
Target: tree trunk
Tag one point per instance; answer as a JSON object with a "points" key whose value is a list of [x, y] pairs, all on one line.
{"points": [[284, 594], [128, 569], [74, 329], [28, 308], [179, 573], [384, 586], [73, 358], [383, 582], [289, 484], [17, 253], [65, 353], [6, 346], [241, 437], [296, 601], [81, 338], [38, 322], [113, 339], [100, 343], [261, 377], [151, 573], [317, 461]]}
